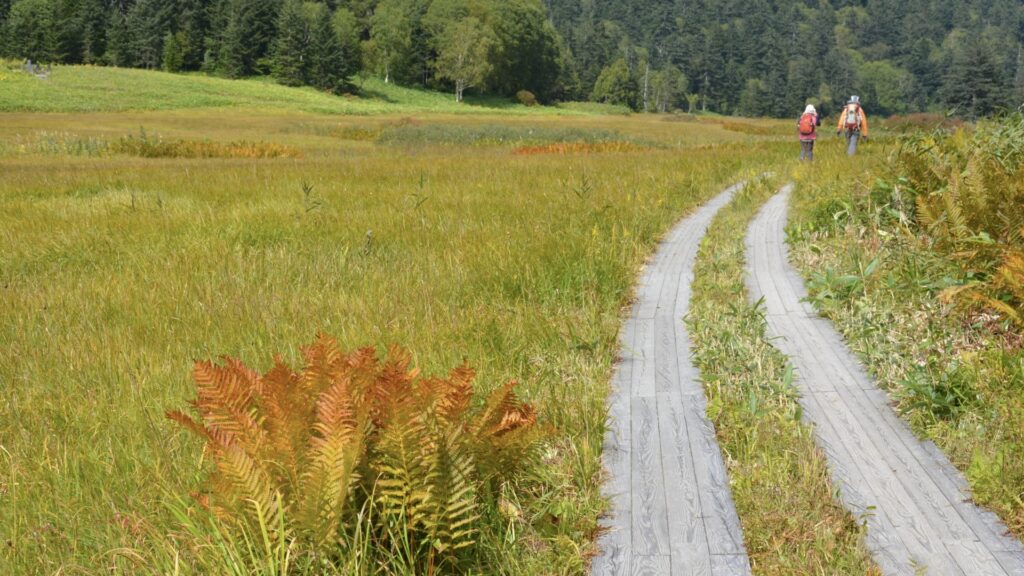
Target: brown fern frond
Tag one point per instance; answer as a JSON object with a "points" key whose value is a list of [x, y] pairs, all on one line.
{"points": [[189, 424], [455, 397], [452, 508], [324, 363], [249, 481], [334, 454]]}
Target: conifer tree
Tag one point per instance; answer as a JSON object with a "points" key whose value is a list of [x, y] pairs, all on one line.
{"points": [[291, 48], [974, 84], [248, 36], [174, 52], [118, 52], [347, 27], [148, 21], [327, 66], [95, 17], [30, 31]]}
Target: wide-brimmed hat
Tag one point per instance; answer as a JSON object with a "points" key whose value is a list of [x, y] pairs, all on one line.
{"points": [[810, 109]]}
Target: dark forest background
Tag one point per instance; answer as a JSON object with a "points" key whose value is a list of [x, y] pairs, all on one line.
{"points": [[748, 57]]}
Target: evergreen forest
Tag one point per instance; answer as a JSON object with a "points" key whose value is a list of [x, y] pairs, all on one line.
{"points": [[743, 57]]}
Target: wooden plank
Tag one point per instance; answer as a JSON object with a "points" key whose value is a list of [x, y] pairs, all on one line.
{"points": [[1012, 562], [721, 522], [647, 487], [730, 565], [614, 544], [688, 539], [650, 565], [643, 384]]}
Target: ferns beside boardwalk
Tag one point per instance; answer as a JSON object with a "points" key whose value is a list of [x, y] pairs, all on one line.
{"points": [[306, 451], [968, 191]]}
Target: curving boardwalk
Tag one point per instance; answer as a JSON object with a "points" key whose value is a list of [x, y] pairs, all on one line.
{"points": [[917, 505], [673, 512]]}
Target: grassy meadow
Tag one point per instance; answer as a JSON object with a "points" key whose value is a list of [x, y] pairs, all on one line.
{"points": [[125, 255], [108, 89]]}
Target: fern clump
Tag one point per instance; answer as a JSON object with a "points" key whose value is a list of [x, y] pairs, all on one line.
{"points": [[968, 188], [351, 436]]}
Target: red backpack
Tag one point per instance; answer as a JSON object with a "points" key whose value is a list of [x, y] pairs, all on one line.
{"points": [[807, 124]]}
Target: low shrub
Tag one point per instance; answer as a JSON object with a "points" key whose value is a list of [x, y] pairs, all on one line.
{"points": [[750, 128], [922, 121], [492, 135], [58, 143], [596, 108], [579, 148], [526, 98], [147, 146], [350, 437]]}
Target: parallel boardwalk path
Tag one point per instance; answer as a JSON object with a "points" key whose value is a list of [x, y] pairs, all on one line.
{"points": [[673, 511], [920, 519]]}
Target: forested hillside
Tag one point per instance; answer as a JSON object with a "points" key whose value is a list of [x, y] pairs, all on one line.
{"points": [[751, 57]]}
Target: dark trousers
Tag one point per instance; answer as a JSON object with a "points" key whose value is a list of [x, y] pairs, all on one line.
{"points": [[807, 150]]}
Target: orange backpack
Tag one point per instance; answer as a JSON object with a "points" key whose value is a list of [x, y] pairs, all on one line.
{"points": [[807, 124]]}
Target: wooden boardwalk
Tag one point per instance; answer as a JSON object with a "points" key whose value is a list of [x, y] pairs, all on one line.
{"points": [[673, 511], [917, 505]]}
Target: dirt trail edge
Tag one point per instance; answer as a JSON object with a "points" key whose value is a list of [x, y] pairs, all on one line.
{"points": [[672, 509], [916, 504]]}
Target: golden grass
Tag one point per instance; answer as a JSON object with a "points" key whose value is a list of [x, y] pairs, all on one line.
{"points": [[116, 273]]}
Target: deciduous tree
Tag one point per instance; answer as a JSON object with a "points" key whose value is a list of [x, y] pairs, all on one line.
{"points": [[464, 51]]}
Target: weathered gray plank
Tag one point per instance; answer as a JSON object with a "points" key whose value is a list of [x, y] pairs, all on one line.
{"points": [[615, 547], [689, 541], [650, 565], [918, 511], [643, 384], [729, 564], [647, 488]]}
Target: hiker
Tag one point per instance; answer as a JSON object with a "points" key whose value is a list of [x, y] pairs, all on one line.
{"points": [[807, 125], [854, 122]]}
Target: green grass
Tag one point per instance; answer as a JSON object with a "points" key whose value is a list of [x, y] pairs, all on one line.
{"points": [[792, 523], [116, 273], [103, 89], [956, 376]]}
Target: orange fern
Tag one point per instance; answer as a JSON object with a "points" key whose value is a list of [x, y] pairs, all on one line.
{"points": [[305, 450]]}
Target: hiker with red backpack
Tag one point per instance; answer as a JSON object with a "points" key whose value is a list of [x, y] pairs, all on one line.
{"points": [[854, 123], [807, 126]]}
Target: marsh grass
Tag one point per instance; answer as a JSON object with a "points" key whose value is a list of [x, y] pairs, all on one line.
{"points": [[416, 134], [146, 145], [117, 273], [143, 145], [792, 523]]}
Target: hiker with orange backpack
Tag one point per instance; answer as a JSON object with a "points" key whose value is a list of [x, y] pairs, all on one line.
{"points": [[854, 123], [807, 126]]}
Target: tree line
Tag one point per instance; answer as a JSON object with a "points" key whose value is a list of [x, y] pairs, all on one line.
{"points": [[749, 57]]}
